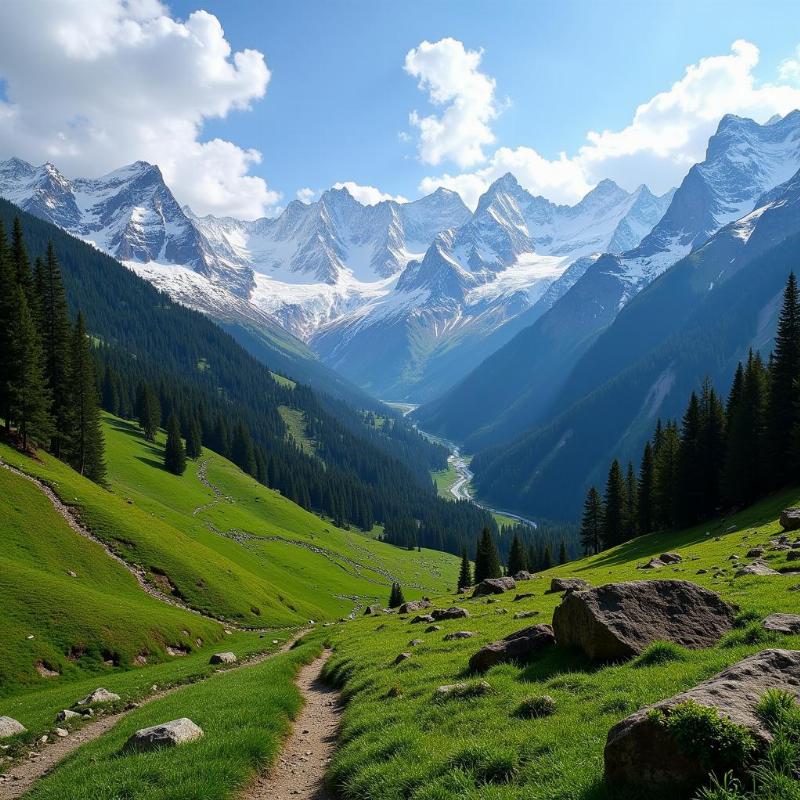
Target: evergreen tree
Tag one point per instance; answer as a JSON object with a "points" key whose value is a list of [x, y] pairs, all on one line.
{"points": [[22, 265], [547, 557], [8, 313], [614, 507], [29, 397], [220, 438], [84, 446], [665, 478], [465, 574], [148, 411], [194, 442], [55, 331], [396, 598], [690, 467], [242, 453], [487, 559], [110, 392], [645, 500], [711, 449], [517, 561], [631, 506], [781, 411], [174, 453], [592, 523], [563, 556]]}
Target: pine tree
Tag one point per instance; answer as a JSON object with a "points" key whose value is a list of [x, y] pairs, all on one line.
{"points": [[110, 392], [631, 506], [396, 598], [194, 444], [665, 478], [614, 507], [645, 500], [690, 470], [84, 445], [148, 411], [29, 397], [242, 453], [781, 413], [21, 264], [711, 449], [465, 574], [592, 523], [8, 313], [220, 440], [563, 556], [517, 562], [55, 331], [174, 454], [547, 557], [487, 559]]}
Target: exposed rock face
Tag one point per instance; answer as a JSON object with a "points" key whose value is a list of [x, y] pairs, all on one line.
{"points": [[414, 605], [494, 586], [520, 645], [10, 727], [790, 519], [169, 734], [223, 658], [619, 620], [568, 584], [454, 612], [98, 696], [756, 568], [755, 552], [782, 623], [671, 558], [641, 751], [422, 618]]}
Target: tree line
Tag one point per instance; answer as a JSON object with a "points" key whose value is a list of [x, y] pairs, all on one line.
{"points": [[48, 389], [723, 455]]}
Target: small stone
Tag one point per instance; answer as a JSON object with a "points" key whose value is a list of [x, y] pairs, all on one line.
{"points": [[98, 696], [66, 714], [10, 727], [433, 628], [168, 734], [402, 657], [415, 643], [62, 733], [525, 614], [458, 635], [223, 658]]}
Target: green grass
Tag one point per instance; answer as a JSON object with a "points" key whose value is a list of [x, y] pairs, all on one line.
{"points": [[283, 381], [400, 742], [445, 478], [244, 715], [295, 422]]}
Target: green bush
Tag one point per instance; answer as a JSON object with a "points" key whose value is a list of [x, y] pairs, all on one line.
{"points": [[534, 707], [660, 653]]}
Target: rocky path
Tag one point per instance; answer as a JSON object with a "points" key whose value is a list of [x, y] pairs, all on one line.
{"points": [[38, 763], [300, 771]]}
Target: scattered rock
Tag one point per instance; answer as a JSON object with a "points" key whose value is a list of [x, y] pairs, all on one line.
{"points": [[639, 750], [98, 696], [45, 671], [433, 628], [793, 555], [177, 650], [523, 575], [463, 689], [494, 586], [458, 635], [415, 642], [790, 519], [733, 557], [756, 568], [520, 645], [372, 610], [402, 657], [169, 734], [10, 727], [501, 611], [782, 623], [780, 547], [414, 605], [617, 621], [62, 733], [671, 558], [523, 596], [525, 614], [755, 552], [568, 584], [223, 658], [422, 618], [653, 563], [72, 573], [702, 571], [454, 612], [66, 714]]}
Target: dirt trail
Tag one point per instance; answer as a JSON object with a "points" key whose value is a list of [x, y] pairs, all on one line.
{"points": [[20, 778], [300, 771]]}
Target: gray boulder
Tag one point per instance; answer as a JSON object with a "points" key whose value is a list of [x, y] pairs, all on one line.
{"points": [[521, 645], [10, 727], [617, 621], [525, 614], [640, 751], [168, 734], [66, 714], [223, 658], [98, 696], [568, 584], [523, 575], [793, 555], [523, 596], [671, 558], [782, 623], [653, 563], [755, 552], [458, 635], [454, 612], [421, 618], [402, 657], [414, 605], [494, 586], [756, 568], [433, 628], [369, 610], [790, 519]]}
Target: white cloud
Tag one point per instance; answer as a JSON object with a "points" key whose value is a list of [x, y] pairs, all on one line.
{"points": [[95, 84], [449, 73], [666, 136], [307, 195], [368, 195]]}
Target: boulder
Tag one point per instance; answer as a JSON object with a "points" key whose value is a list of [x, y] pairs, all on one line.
{"points": [[223, 658], [793, 555], [454, 612], [756, 568], [66, 714], [372, 610], [98, 696], [433, 628], [414, 605], [618, 620], [10, 727], [521, 645], [755, 552], [671, 558], [458, 635], [523, 575], [415, 642], [402, 657], [782, 623], [525, 614], [494, 586], [653, 563], [790, 519], [780, 547], [640, 750], [523, 596], [568, 584], [168, 734], [422, 618]]}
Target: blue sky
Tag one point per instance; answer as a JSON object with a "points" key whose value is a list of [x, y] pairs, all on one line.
{"points": [[245, 103]]}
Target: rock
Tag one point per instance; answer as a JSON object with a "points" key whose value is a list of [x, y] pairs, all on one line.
{"points": [[414, 605], [463, 689], [433, 628], [223, 658], [454, 612], [778, 548], [88, 713], [501, 611], [402, 657], [458, 635], [756, 568], [618, 620], [415, 642], [671, 558], [62, 733], [98, 696], [702, 572], [790, 519], [793, 555], [525, 614], [169, 734], [523, 596], [10, 727], [520, 645], [782, 623], [72, 573], [653, 563], [66, 714], [422, 618], [494, 586], [641, 751], [372, 610], [523, 575], [755, 552], [568, 584], [733, 557]]}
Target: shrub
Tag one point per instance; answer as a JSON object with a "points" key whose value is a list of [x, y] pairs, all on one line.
{"points": [[534, 707], [660, 653]]}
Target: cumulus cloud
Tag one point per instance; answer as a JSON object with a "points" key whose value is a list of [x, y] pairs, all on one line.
{"points": [[450, 75], [95, 84], [368, 195], [307, 195], [666, 135]]}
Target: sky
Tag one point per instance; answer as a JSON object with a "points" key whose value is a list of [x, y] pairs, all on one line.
{"points": [[246, 105]]}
